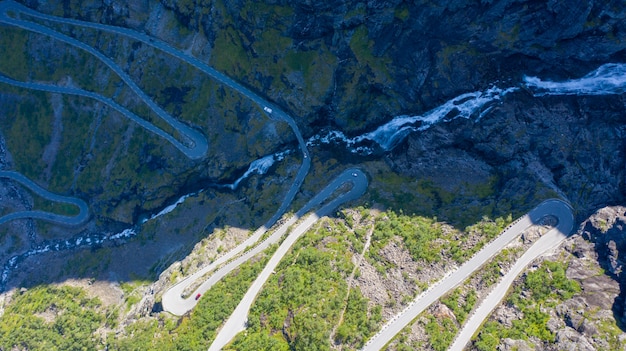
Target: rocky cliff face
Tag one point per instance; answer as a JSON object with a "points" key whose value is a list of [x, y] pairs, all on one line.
{"points": [[391, 57], [341, 64], [593, 318], [606, 229], [352, 65], [569, 147], [378, 59], [387, 58]]}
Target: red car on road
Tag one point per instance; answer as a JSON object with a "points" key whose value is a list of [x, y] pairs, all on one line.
{"points": [[198, 296]]}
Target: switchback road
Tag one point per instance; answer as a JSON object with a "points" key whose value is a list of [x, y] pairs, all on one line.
{"points": [[237, 321], [10, 12], [173, 300], [191, 152], [81, 217], [556, 208], [200, 144], [546, 243]]}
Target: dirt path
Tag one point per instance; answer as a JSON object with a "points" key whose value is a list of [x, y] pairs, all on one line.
{"points": [[357, 264]]}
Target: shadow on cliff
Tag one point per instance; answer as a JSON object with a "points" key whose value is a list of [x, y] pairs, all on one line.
{"points": [[610, 242], [154, 245]]}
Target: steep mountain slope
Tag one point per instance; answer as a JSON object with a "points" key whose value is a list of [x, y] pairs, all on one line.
{"points": [[342, 65]]}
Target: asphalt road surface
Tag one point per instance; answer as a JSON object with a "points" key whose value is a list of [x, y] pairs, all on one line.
{"points": [[195, 146], [173, 300], [199, 147], [191, 152], [198, 140], [556, 208], [81, 217], [549, 241], [237, 321]]}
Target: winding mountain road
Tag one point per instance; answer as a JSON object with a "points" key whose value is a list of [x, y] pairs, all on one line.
{"points": [[238, 319], [557, 208], [81, 217], [13, 6], [9, 9], [200, 144], [191, 152], [173, 300], [549, 241], [194, 145]]}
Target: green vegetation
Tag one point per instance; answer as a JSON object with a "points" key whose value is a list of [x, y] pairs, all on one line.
{"points": [[441, 332], [460, 207], [51, 318], [486, 230], [269, 61], [427, 198], [300, 304], [196, 331], [172, 94], [609, 331], [88, 263], [61, 208], [61, 62], [362, 47], [230, 58], [548, 284], [231, 48], [132, 291], [427, 241], [364, 86], [95, 142], [359, 321], [28, 132], [14, 60], [542, 288], [420, 235], [460, 305], [441, 328], [99, 149], [491, 272], [300, 61], [402, 13]]}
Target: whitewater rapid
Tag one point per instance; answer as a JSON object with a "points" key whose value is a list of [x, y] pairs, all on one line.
{"points": [[260, 166], [86, 240], [389, 135], [608, 79]]}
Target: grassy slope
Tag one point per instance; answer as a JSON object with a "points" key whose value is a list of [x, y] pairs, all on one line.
{"points": [[305, 313]]}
